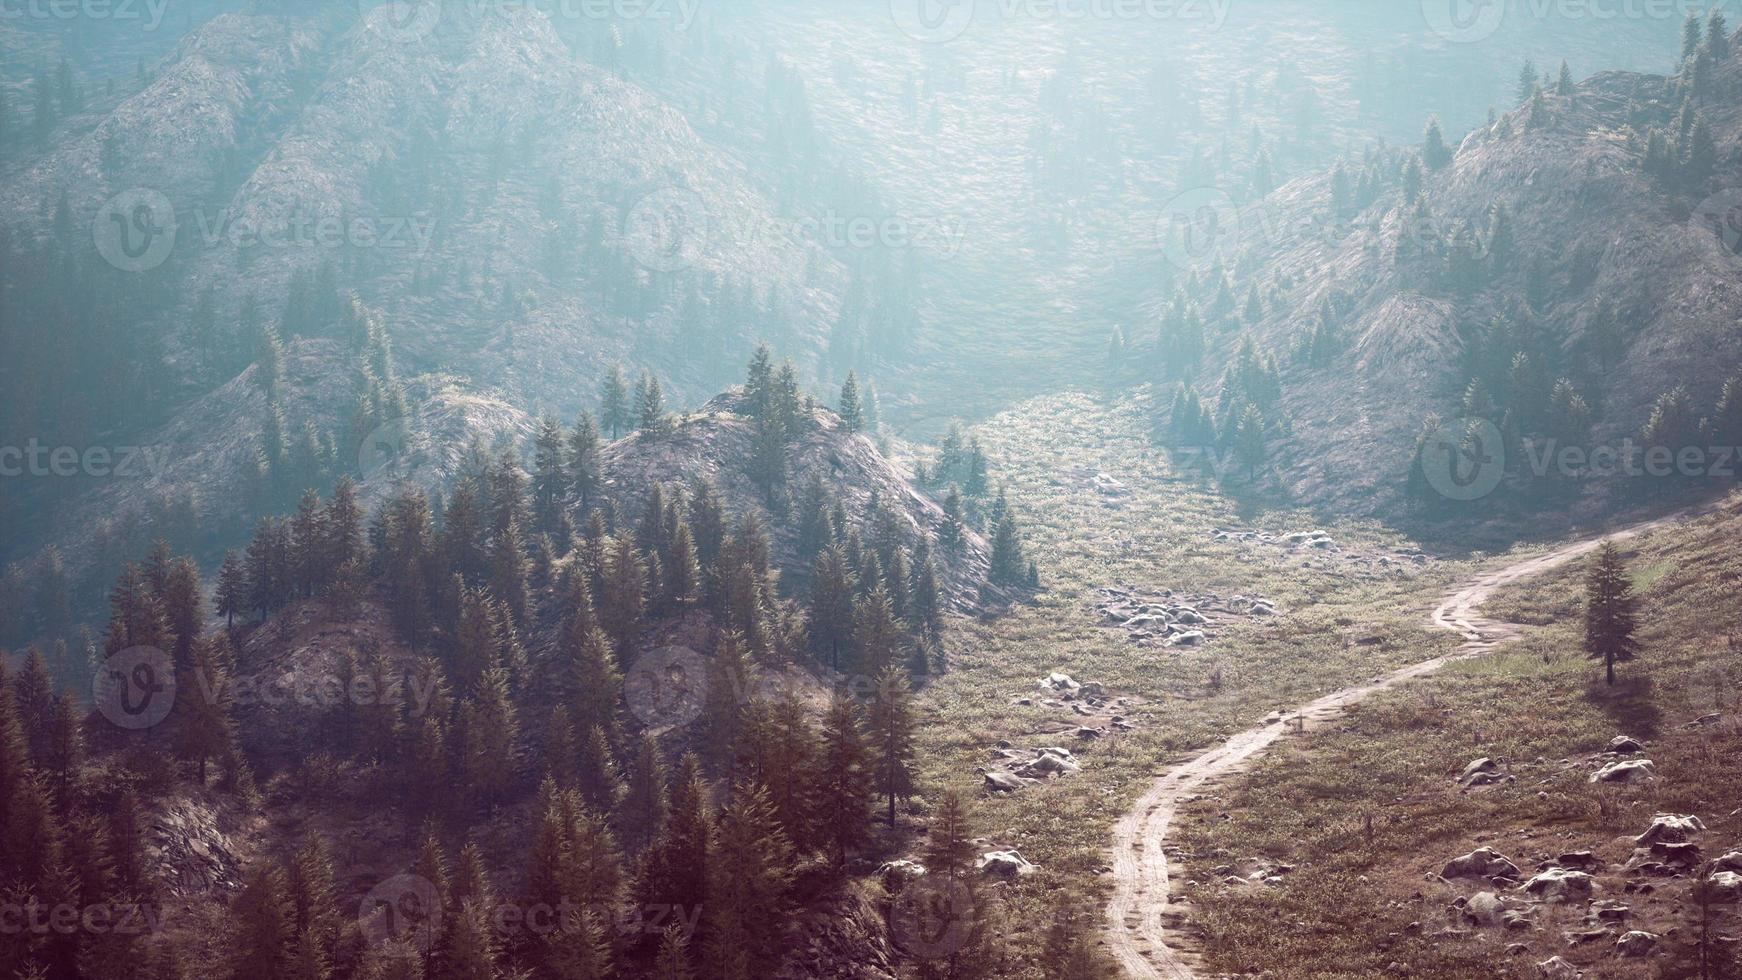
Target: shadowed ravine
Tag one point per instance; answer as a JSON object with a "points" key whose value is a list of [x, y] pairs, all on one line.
{"points": [[1142, 925]]}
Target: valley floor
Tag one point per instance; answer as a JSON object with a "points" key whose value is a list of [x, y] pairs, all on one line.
{"points": [[1325, 858], [1106, 509]]}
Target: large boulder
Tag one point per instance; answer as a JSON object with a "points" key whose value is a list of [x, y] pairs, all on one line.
{"points": [[1004, 864], [1556, 968], [999, 781], [1060, 685], [1624, 745], [1730, 862], [1635, 944], [1727, 886], [1561, 885], [1670, 828], [897, 875], [1483, 862], [1625, 771]]}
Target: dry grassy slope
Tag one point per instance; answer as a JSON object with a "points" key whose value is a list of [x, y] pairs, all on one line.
{"points": [[1540, 709], [717, 444], [1581, 201]]}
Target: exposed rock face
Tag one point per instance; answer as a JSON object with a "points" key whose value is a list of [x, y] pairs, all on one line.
{"points": [[191, 853], [716, 444], [845, 938], [1483, 862]]}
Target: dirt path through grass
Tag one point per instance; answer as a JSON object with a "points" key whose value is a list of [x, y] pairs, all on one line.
{"points": [[1142, 921]]}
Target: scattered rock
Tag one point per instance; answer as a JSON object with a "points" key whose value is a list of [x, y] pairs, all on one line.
{"points": [[897, 875], [999, 781], [1730, 862], [1561, 885], [1483, 862], [1635, 944], [1091, 689], [1625, 771], [1004, 864], [1670, 828], [1579, 861], [1485, 909], [1061, 685], [1623, 745], [1477, 767], [1678, 857], [1190, 638], [1556, 968]]}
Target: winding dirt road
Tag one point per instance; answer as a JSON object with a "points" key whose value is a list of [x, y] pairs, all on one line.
{"points": [[1139, 918]]}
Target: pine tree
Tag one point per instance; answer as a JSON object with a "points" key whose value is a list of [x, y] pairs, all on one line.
{"points": [[65, 746], [730, 676], [889, 732], [650, 406], [1564, 86], [614, 403], [673, 962], [751, 878], [35, 697], [492, 734], [624, 597], [852, 410], [950, 849], [585, 476], [1691, 37], [1718, 35], [595, 775], [550, 479], [1434, 151], [641, 817], [1528, 83], [1610, 611], [952, 531], [313, 896], [204, 729], [844, 790], [675, 872], [265, 926], [509, 572], [1249, 441]]}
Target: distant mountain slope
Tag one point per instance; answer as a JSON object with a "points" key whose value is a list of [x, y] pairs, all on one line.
{"points": [[1599, 253]]}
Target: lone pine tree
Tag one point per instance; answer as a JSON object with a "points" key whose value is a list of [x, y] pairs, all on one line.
{"points": [[1610, 607]]}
